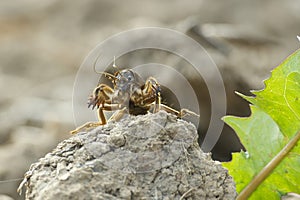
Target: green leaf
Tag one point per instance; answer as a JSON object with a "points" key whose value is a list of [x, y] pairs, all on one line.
{"points": [[276, 98], [274, 121]]}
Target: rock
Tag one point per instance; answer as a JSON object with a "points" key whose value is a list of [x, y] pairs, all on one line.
{"points": [[152, 156]]}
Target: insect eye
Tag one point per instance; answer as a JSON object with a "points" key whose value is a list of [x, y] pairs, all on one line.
{"points": [[129, 78]]}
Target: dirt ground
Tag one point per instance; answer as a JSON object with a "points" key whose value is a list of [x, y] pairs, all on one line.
{"points": [[43, 43]]}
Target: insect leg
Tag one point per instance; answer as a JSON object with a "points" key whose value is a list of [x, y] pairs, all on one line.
{"points": [[157, 102], [152, 91], [86, 126], [108, 107], [118, 114], [101, 94], [170, 110], [101, 116], [183, 112]]}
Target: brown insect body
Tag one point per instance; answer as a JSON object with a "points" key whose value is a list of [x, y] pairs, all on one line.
{"points": [[129, 91], [130, 94]]}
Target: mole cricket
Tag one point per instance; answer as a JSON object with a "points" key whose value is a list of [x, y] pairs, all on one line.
{"points": [[130, 94]]}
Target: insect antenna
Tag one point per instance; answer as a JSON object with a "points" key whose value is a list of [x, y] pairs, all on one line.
{"points": [[116, 67], [114, 64], [106, 74]]}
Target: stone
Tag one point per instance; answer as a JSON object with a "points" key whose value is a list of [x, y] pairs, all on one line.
{"points": [[152, 156]]}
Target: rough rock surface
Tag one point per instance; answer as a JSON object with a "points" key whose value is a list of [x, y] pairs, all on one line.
{"points": [[153, 156]]}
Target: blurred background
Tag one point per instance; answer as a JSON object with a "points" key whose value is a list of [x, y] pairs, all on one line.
{"points": [[43, 43]]}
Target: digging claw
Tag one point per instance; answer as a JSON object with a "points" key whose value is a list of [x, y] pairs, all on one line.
{"points": [[92, 102]]}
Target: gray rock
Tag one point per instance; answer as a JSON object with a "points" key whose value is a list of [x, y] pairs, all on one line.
{"points": [[153, 156]]}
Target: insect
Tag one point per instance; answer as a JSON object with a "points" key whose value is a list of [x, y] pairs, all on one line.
{"points": [[130, 94]]}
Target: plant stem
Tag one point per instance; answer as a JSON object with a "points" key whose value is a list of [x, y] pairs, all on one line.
{"points": [[265, 172]]}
